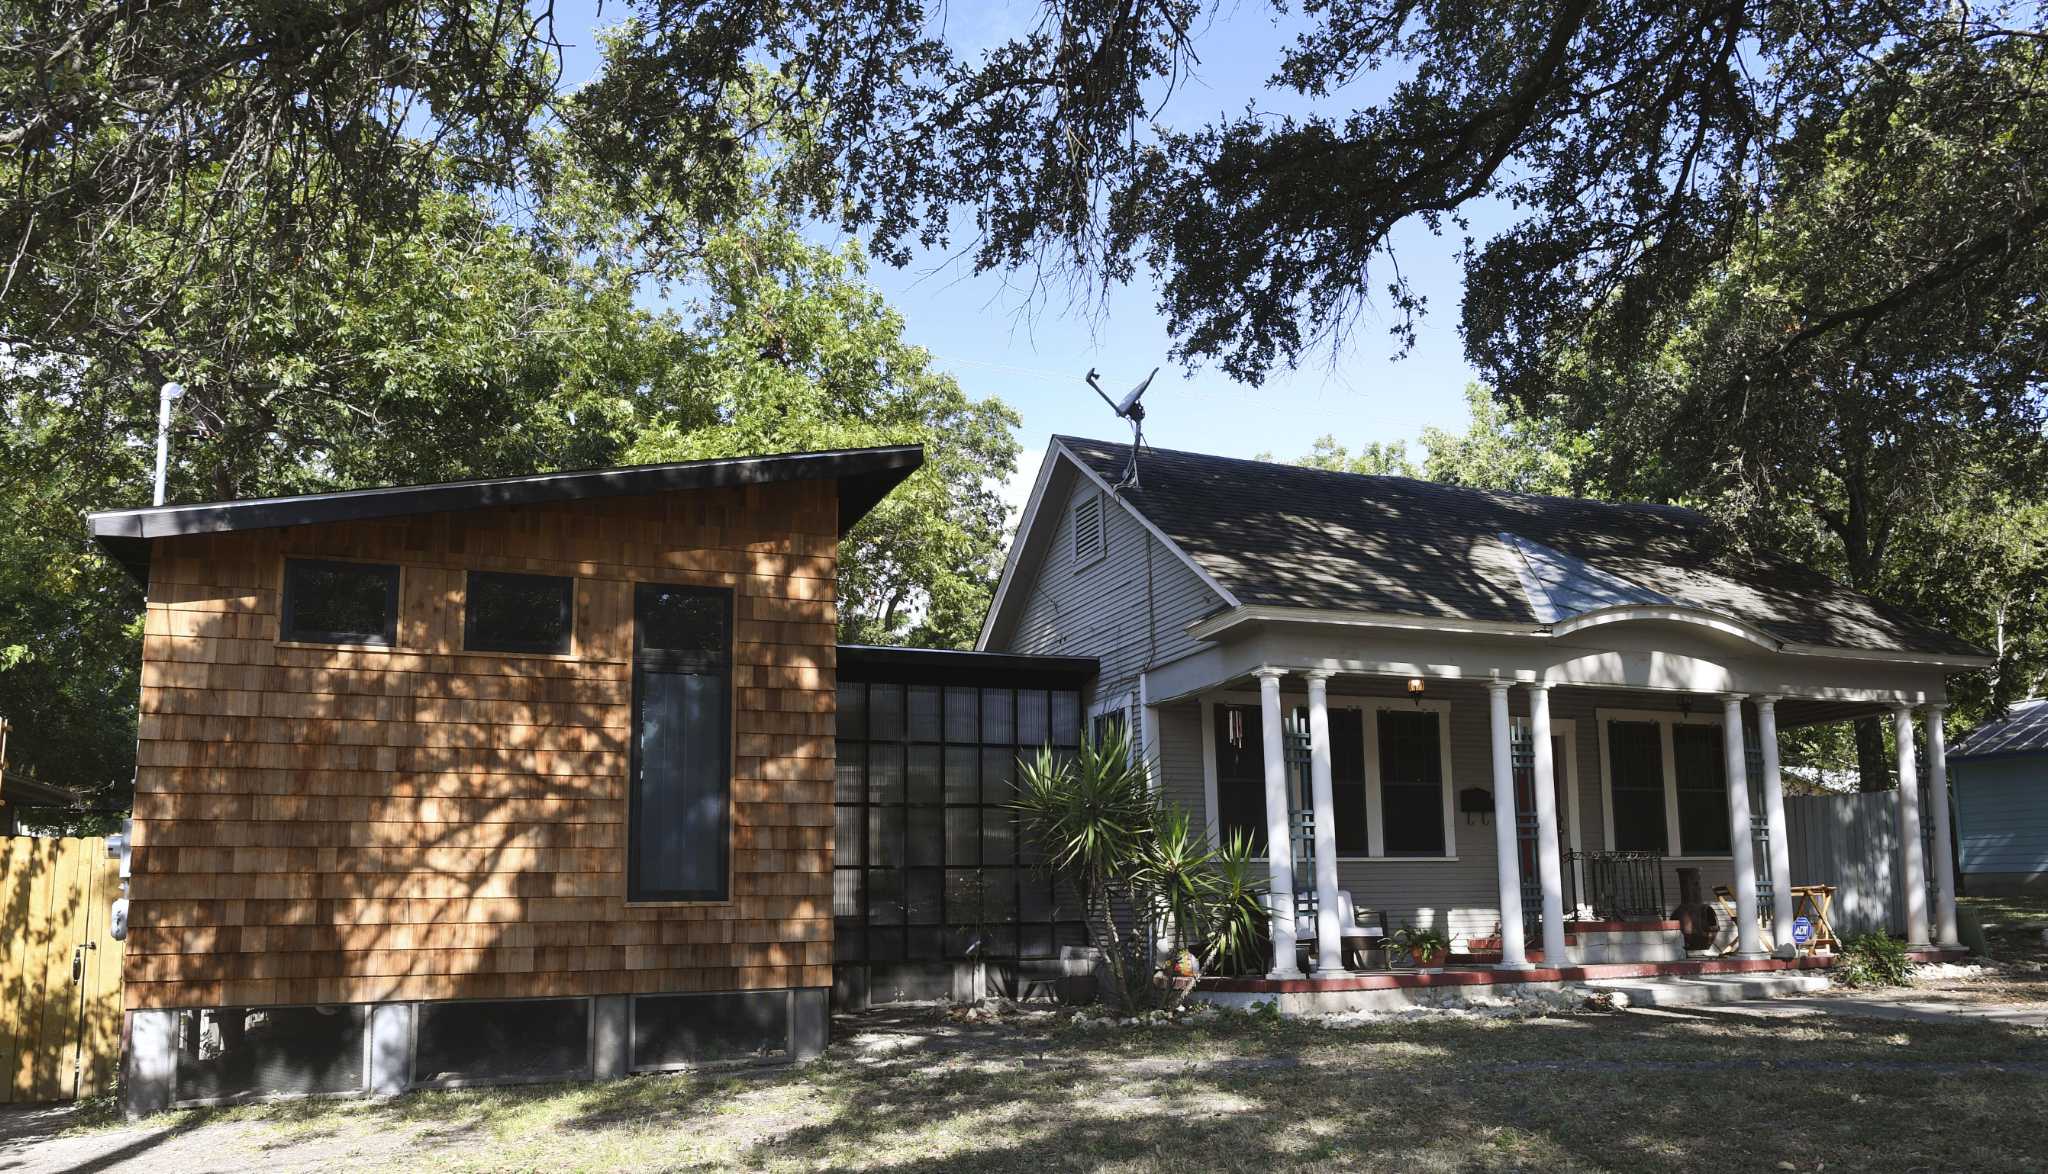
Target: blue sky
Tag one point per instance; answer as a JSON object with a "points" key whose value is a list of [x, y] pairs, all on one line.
{"points": [[983, 330]]}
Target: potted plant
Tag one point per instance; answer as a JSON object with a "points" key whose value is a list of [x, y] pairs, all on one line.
{"points": [[1425, 948]]}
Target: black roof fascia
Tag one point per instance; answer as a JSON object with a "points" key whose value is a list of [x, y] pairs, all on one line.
{"points": [[877, 664], [865, 476], [26, 792]]}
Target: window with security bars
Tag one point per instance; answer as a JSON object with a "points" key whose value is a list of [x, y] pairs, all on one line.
{"points": [[928, 861]]}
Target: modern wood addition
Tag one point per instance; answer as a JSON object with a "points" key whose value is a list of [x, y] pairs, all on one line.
{"points": [[349, 824]]}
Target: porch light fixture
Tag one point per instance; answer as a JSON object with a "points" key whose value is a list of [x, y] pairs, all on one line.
{"points": [[1415, 689]]}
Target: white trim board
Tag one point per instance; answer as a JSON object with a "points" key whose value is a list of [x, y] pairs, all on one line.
{"points": [[1213, 626]]}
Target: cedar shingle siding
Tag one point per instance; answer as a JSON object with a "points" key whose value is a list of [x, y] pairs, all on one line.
{"points": [[321, 824]]}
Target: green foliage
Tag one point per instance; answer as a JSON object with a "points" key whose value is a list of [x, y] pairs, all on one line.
{"points": [[1375, 458], [1426, 946], [1502, 448], [1137, 863], [1634, 141], [468, 345], [1874, 959]]}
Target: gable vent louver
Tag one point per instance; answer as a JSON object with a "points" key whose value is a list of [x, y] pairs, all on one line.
{"points": [[1088, 527]]}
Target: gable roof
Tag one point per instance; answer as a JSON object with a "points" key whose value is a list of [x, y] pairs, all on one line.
{"points": [[865, 476], [1293, 537], [2023, 730]]}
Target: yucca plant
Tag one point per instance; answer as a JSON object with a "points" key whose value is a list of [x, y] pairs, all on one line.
{"points": [[1099, 821], [1238, 923], [1091, 816]]}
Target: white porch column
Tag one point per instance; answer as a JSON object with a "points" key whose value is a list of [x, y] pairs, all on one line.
{"points": [[1549, 868], [1279, 845], [1741, 842], [1513, 954], [1913, 866], [1944, 848], [1774, 811], [1329, 943]]}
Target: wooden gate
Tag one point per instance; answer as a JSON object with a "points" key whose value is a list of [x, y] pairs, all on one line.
{"points": [[60, 974]]}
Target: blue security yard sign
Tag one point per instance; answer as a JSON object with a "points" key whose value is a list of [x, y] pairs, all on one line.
{"points": [[1802, 930]]}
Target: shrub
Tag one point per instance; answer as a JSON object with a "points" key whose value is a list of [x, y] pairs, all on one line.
{"points": [[1873, 959], [1137, 862]]}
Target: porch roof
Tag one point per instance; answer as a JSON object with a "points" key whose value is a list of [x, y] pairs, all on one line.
{"points": [[1284, 536]]}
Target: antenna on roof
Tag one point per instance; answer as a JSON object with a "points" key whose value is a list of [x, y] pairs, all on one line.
{"points": [[1130, 409]]}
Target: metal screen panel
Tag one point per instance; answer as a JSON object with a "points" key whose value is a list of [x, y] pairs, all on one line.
{"points": [[521, 1039], [232, 1052], [674, 1030], [929, 863]]}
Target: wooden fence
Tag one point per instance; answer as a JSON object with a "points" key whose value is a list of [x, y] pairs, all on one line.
{"points": [[1852, 842], [60, 974]]}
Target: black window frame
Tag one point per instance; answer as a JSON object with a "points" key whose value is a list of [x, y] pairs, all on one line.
{"points": [[288, 603], [1240, 776], [681, 661], [1635, 792], [561, 647], [1348, 790], [1446, 843], [1700, 780], [928, 863]]}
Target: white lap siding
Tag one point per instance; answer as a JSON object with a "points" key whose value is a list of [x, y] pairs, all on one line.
{"points": [[1108, 607]]}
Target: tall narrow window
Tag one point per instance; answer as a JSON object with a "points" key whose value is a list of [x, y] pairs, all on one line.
{"points": [[1241, 775], [1411, 783], [1697, 753], [1347, 780], [340, 603], [1635, 758], [680, 839]]}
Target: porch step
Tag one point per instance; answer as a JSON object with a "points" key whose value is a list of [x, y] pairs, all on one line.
{"points": [[1710, 988], [1592, 946]]}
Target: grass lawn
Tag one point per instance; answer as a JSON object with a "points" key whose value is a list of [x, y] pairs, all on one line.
{"points": [[2013, 926], [918, 1090]]}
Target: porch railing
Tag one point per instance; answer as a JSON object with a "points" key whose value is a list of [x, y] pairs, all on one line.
{"points": [[1621, 886]]}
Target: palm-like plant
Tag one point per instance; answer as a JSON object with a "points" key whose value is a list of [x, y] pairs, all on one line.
{"points": [[1100, 822], [1091, 816]]}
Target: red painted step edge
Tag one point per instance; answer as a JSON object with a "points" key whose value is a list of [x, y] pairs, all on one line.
{"points": [[1389, 980]]}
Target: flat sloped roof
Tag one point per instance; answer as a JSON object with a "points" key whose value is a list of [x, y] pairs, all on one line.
{"points": [[865, 476]]}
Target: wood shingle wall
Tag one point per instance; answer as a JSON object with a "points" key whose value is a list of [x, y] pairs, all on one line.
{"points": [[320, 824]]}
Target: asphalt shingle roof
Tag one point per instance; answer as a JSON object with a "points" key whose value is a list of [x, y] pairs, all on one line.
{"points": [[2023, 730], [1288, 536]]}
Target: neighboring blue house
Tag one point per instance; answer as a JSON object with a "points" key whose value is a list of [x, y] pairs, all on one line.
{"points": [[2000, 774]]}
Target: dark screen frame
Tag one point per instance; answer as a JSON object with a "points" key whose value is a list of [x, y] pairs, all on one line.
{"points": [[664, 660], [289, 628], [567, 614]]}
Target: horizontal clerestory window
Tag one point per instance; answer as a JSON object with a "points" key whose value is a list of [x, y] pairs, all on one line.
{"points": [[518, 613], [339, 602]]}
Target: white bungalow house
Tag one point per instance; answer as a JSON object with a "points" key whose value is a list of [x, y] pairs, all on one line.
{"points": [[1350, 668]]}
